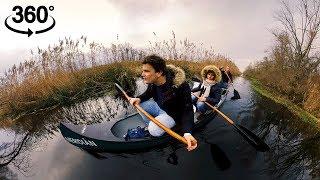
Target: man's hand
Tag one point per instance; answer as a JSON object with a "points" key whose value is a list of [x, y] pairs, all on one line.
{"points": [[192, 142], [134, 101], [202, 99]]}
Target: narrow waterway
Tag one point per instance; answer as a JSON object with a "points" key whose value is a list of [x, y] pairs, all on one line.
{"points": [[222, 152]]}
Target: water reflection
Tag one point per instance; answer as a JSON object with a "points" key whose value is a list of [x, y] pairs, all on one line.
{"points": [[95, 111], [7, 174], [30, 133], [219, 157], [102, 109], [295, 144], [10, 153]]}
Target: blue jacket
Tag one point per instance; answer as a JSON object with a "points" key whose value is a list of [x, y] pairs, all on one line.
{"points": [[214, 95]]}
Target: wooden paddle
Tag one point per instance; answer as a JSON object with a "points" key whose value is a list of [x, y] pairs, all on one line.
{"points": [[139, 108], [251, 138]]}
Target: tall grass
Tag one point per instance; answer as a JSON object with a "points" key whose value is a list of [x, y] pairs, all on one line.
{"points": [[283, 80], [75, 70]]}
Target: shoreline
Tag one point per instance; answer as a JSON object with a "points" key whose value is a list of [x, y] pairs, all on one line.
{"points": [[298, 111]]}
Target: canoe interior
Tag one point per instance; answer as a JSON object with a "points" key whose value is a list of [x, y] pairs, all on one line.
{"points": [[120, 128]]}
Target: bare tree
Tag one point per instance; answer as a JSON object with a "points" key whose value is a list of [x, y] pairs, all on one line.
{"points": [[301, 24]]}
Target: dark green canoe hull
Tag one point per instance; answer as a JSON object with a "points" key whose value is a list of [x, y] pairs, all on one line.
{"points": [[118, 144], [108, 136]]}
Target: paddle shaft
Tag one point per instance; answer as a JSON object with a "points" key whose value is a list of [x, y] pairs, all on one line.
{"points": [[231, 122], [214, 108], [169, 131], [228, 76]]}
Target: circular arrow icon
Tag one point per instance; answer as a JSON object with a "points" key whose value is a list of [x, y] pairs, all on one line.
{"points": [[29, 31]]}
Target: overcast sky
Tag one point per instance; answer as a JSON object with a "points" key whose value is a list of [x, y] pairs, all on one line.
{"points": [[239, 29]]}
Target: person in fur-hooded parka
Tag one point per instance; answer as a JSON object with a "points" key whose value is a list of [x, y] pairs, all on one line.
{"points": [[209, 90], [171, 95], [175, 98]]}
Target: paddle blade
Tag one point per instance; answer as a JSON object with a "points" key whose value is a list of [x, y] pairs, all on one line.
{"points": [[236, 95], [252, 139], [118, 87], [119, 91], [125, 84]]}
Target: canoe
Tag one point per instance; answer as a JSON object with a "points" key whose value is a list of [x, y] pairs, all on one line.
{"points": [[108, 136]]}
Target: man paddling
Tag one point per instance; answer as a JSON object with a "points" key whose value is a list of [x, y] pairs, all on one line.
{"points": [[171, 102]]}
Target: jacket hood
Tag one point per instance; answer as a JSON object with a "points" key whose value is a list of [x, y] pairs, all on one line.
{"points": [[176, 75], [214, 69]]}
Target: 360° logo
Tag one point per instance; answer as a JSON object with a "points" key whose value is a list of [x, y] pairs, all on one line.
{"points": [[30, 14]]}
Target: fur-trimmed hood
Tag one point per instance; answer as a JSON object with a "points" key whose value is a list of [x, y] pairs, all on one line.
{"points": [[214, 69], [176, 75]]}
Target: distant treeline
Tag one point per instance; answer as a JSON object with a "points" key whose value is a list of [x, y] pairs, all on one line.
{"points": [[292, 67], [75, 70]]}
